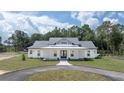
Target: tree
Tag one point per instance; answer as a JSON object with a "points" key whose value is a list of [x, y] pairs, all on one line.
{"points": [[87, 33], [116, 38], [2, 47], [8, 44], [0, 39], [20, 40], [108, 37], [103, 36], [35, 37], [121, 49], [56, 32], [73, 31], [100, 38], [64, 32]]}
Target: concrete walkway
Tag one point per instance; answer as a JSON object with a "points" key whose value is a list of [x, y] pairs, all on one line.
{"points": [[64, 62], [3, 72], [22, 74]]}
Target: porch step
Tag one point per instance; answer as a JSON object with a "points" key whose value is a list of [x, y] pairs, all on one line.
{"points": [[64, 62]]}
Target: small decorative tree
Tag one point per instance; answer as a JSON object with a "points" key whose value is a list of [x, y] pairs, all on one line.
{"points": [[23, 57]]}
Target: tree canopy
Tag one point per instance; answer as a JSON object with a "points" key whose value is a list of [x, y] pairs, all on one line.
{"points": [[108, 37]]}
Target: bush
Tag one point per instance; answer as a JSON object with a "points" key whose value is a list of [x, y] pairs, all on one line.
{"points": [[23, 57], [69, 58], [88, 59], [41, 58], [57, 58]]}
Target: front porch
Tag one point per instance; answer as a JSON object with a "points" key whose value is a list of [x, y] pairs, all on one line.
{"points": [[64, 53]]}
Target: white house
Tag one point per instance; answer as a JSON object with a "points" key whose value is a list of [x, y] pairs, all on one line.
{"points": [[62, 48]]}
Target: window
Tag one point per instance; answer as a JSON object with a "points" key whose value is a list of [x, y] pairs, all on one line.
{"points": [[72, 53], [88, 53], [30, 51], [38, 53], [55, 54], [54, 43]]}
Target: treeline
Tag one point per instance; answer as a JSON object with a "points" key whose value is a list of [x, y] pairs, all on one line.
{"points": [[108, 37]]}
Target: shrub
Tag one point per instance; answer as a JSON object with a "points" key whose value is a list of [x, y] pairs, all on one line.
{"points": [[57, 58], [69, 58], [23, 57], [88, 59], [41, 58]]}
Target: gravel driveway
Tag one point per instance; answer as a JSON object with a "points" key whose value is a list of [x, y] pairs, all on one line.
{"points": [[22, 74]]}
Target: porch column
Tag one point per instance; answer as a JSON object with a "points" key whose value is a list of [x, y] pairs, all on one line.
{"points": [[58, 54], [68, 53]]}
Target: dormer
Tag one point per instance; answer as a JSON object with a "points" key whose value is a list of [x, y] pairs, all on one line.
{"points": [[63, 42]]}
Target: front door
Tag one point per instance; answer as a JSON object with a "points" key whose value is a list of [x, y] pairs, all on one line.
{"points": [[63, 54]]}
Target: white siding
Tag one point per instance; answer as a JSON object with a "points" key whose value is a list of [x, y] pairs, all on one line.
{"points": [[75, 54], [35, 53], [41, 53], [49, 53], [81, 53], [93, 53]]}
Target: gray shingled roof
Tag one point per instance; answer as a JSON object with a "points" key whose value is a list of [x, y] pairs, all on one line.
{"points": [[88, 44], [39, 44]]}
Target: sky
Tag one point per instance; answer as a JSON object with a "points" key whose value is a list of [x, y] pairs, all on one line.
{"points": [[45, 21]]}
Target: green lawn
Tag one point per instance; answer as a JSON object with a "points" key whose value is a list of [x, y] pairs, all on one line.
{"points": [[109, 63], [66, 75], [16, 63]]}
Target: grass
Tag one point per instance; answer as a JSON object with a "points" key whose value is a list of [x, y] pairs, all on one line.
{"points": [[109, 63], [4, 54], [119, 57], [16, 63], [66, 75]]}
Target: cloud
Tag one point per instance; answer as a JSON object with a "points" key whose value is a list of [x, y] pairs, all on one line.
{"points": [[99, 13], [93, 22], [74, 15], [87, 18], [121, 15], [27, 23], [45, 20], [1, 17], [113, 20], [111, 14]]}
